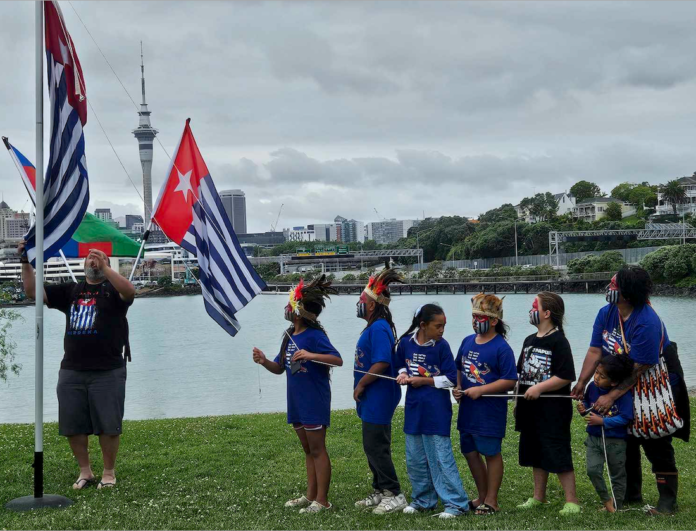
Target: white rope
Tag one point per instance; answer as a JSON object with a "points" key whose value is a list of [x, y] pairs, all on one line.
{"points": [[606, 460]]}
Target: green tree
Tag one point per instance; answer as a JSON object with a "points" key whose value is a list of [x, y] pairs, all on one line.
{"points": [[268, 271], [613, 212], [585, 190], [622, 191], [7, 346], [164, 281], [541, 206], [349, 277], [643, 195], [506, 212], [674, 192]]}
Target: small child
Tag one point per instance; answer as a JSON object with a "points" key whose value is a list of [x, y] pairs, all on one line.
{"points": [[486, 365], [427, 367], [608, 432]]}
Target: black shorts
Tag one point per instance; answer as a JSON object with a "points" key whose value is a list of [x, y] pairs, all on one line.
{"points": [[552, 454], [91, 402]]}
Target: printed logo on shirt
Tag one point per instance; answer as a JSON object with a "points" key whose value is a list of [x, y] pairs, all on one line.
{"points": [[427, 371], [289, 353], [474, 370], [359, 354], [83, 315], [613, 411], [536, 367], [611, 342]]}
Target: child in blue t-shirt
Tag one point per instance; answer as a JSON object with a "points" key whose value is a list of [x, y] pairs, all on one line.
{"points": [[427, 367], [309, 388], [608, 432], [486, 365]]}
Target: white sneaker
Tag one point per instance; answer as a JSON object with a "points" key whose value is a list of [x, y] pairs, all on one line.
{"points": [[373, 500], [298, 502], [315, 507], [445, 516], [391, 503], [410, 510]]}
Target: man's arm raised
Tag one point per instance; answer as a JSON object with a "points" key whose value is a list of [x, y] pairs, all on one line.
{"points": [[28, 277]]}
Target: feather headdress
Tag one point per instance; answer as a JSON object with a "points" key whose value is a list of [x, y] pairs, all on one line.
{"points": [[378, 286], [313, 293]]}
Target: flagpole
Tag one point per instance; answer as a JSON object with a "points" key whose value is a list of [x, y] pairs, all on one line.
{"points": [[27, 503], [140, 251]]}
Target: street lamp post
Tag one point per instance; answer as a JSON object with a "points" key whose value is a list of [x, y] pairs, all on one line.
{"points": [[454, 252], [516, 260]]}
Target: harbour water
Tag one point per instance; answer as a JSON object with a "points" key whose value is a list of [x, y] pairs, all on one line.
{"points": [[184, 365]]}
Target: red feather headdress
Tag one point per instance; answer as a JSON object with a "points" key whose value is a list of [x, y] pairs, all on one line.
{"points": [[378, 286]]}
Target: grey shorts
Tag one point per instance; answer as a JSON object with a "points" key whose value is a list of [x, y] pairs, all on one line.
{"points": [[91, 402]]}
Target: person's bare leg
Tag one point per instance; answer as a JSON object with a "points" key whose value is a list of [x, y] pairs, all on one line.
{"points": [[494, 465], [309, 464], [109, 446], [322, 464], [567, 480], [79, 444], [480, 474], [541, 478]]}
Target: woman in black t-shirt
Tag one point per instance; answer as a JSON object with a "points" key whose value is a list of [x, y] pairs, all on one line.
{"points": [[546, 366]]}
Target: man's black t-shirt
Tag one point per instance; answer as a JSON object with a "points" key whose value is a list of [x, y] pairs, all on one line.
{"points": [[95, 324], [542, 358]]}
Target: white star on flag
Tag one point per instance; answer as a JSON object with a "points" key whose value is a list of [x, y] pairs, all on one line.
{"points": [[184, 185]]}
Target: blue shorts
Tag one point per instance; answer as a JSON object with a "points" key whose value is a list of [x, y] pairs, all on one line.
{"points": [[488, 446]]}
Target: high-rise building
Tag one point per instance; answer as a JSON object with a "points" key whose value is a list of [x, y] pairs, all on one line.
{"points": [[389, 230], [352, 231], [145, 135], [103, 214], [131, 219], [234, 203], [15, 227]]}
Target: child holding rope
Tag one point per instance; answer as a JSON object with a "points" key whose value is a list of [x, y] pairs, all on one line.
{"points": [[606, 434], [546, 366], [309, 388]]}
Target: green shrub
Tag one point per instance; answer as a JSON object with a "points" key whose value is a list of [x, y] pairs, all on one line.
{"points": [[608, 261], [349, 277]]}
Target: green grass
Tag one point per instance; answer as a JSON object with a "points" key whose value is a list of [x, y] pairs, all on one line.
{"points": [[236, 472]]}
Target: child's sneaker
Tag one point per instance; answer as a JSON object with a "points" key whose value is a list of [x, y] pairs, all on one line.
{"points": [[315, 507], [373, 500], [410, 509], [391, 503], [445, 516], [298, 502], [570, 509], [531, 503]]}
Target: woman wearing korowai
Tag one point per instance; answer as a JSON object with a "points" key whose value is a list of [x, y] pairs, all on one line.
{"points": [[309, 387], [376, 397], [629, 325]]}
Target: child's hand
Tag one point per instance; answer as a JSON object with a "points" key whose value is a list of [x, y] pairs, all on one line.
{"points": [[359, 390], [302, 355], [402, 379], [457, 394], [532, 393], [417, 381], [474, 392], [594, 420], [258, 356], [581, 408]]}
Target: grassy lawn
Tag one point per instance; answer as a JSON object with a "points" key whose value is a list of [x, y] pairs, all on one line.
{"points": [[236, 472]]}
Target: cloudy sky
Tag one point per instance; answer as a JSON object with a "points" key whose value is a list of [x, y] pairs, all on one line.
{"points": [[342, 107]]}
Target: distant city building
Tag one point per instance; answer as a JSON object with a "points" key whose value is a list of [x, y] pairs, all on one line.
{"points": [[322, 231], [15, 227], [138, 228], [132, 219], [234, 203], [299, 234], [389, 230], [595, 209], [262, 239], [664, 206], [103, 214], [352, 231]]}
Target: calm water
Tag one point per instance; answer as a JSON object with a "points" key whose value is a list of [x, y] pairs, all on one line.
{"points": [[184, 365]]}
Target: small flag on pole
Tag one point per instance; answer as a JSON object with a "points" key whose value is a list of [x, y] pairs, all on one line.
{"points": [[189, 211], [26, 169]]}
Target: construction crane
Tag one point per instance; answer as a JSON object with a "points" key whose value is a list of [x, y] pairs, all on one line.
{"points": [[378, 215], [274, 225]]}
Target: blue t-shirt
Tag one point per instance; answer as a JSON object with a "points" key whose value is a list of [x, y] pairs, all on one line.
{"points": [[643, 330], [309, 390], [616, 420], [481, 365], [378, 402], [428, 408]]}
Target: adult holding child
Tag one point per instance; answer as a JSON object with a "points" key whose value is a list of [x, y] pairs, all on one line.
{"points": [[629, 326], [92, 378]]}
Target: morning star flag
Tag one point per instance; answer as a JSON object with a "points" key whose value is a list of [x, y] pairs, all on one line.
{"points": [[190, 213], [66, 189], [26, 169]]}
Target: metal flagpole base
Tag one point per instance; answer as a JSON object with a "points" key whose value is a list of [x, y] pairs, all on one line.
{"points": [[28, 503]]}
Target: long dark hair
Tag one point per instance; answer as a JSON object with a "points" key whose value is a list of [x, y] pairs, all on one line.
{"points": [[634, 284], [502, 329], [554, 304], [426, 314], [381, 312]]}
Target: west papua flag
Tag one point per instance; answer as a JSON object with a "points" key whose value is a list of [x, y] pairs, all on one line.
{"points": [[190, 213]]}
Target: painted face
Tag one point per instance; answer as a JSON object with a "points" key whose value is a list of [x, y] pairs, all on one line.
{"points": [[361, 307], [534, 316], [288, 313], [481, 323], [612, 293]]}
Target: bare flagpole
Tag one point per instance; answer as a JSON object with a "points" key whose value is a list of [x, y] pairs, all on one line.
{"points": [[140, 252]]}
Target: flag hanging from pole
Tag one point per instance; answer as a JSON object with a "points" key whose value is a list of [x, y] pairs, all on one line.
{"points": [[66, 188], [26, 169], [189, 211]]}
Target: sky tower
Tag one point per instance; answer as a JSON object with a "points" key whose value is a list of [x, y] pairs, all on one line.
{"points": [[145, 135]]}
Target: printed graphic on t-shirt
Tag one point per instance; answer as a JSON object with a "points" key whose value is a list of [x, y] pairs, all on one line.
{"points": [[536, 366], [418, 367], [359, 354], [611, 342], [613, 411], [289, 353], [83, 315], [474, 370]]}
